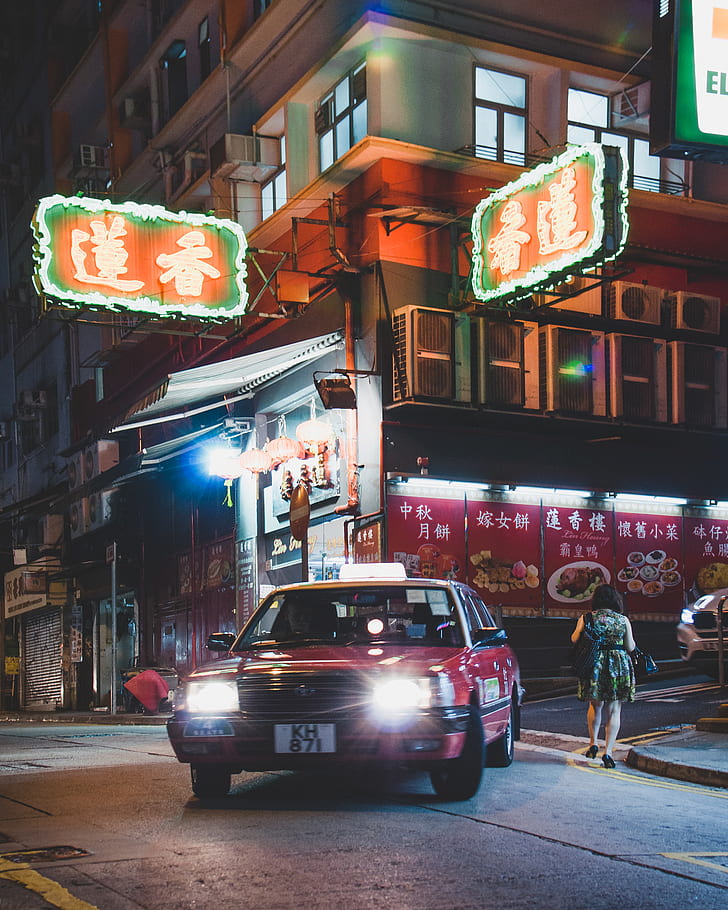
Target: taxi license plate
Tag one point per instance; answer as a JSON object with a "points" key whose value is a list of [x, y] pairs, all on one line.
{"points": [[303, 739], [209, 728]]}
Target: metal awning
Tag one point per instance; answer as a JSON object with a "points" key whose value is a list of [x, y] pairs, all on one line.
{"points": [[211, 386]]}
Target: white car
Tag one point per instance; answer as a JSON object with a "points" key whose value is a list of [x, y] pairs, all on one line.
{"points": [[697, 631]]}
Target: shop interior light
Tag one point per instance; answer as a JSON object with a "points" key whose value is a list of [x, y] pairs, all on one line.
{"points": [[550, 491], [655, 500]]}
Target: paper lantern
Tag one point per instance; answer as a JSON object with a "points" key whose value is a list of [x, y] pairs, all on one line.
{"points": [[256, 461], [314, 433], [284, 448]]}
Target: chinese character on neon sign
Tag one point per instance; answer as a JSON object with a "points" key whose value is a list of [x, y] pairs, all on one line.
{"points": [[139, 257], [567, 212]]}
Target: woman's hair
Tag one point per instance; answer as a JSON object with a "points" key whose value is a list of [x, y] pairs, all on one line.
{"points": [[607, 597]]}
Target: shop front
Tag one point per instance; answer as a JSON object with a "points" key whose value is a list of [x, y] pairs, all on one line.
{"points": [[541, 552]]}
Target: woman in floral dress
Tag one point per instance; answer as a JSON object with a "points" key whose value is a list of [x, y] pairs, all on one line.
{"points": [[612, 681]]}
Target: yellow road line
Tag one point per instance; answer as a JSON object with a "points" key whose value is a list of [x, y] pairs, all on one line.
{"points": [[693, 859], [49, 890], [636, 777]]}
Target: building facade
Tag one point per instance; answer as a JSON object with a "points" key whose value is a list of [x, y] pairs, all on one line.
{"points": [[529, 446]]}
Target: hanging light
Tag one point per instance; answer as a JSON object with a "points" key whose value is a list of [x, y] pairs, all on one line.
{"points": [[225, 462], [314, 433], [283, 448], [256, 461]]}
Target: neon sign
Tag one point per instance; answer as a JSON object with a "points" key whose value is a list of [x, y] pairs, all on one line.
{"points": [[568, 212], [139, 257]]}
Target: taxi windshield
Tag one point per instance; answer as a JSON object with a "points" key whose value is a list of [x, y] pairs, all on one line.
{"points": [[383, 615]]}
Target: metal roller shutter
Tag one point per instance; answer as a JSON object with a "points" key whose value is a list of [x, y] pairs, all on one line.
{"points": [[43, 643]]}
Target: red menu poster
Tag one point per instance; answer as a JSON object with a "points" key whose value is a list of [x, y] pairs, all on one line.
{"points": [[427, 535], [504, 552], [706, 555], [578, 556], [648, 562]]}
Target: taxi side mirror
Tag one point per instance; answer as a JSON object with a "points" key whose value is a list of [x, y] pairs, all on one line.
{"points": [[489, 636], [221, 641]]}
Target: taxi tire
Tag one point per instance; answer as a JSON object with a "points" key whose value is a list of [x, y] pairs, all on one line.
{"points": [[459, 778], [499, 753], [210, 781]]}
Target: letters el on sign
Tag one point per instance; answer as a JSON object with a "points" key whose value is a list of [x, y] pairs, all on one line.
{"points": [[567, 213], [139, 257]]}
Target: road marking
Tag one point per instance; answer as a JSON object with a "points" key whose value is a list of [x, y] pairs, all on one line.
{"points": [[675, 690], [693, 858], [637, 776], [49, 890]]}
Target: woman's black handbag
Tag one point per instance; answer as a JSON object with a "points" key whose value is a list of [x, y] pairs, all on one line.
{"points": [[644, 663], [586, 650]]}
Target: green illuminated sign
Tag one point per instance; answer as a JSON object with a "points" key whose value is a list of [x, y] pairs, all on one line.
{"points": [[565, 214], [143, 258]]}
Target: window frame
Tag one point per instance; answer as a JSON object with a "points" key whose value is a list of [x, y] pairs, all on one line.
{"points": [[502, 111], [330, 122]]}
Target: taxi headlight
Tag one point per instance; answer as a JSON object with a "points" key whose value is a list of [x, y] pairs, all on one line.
{"points": [[403, 694], [208, 697], [687, 615]]}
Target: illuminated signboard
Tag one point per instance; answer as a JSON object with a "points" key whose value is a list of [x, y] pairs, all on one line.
{"points": [[139, 257], [689, 108], [566, 213]]}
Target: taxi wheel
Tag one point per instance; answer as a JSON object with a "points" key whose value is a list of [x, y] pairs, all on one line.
{"points": [[499, 754], [459, 778], [210, 781]]}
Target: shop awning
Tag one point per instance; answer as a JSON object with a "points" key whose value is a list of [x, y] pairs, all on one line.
{"points": [[210, 386]]}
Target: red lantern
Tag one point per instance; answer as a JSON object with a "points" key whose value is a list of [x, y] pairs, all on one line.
{"points": [[284, 448], [256, 461], [315, 433]]}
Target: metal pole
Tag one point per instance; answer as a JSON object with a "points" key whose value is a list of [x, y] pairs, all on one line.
{"points": [[113, 628], [721, 646]]}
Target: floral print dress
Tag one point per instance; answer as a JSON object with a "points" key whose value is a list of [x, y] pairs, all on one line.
{"points": [[613, 675]]}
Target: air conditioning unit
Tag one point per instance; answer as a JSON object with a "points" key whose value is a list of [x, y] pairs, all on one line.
{"points": [[578, 295], [33, 398], [637, 378], [134, 112], [631, 105], [78, 517], [507, 359], [635, 302], [425, 355], [74, 470], [51, 531], [99, 457], [92, 156], [696, 312], [253, 158], [99, 509], [573, 371], [699, 375]]}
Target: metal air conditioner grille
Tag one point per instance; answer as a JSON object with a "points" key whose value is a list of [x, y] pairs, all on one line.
{"points": [[503, 377]]}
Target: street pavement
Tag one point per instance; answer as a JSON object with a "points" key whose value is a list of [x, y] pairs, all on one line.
{"points": [[696, 754]]}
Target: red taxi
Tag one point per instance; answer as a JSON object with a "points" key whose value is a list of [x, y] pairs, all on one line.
{"points": [[360, 671]]}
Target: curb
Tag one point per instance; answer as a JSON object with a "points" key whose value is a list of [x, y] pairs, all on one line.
{"points": [[642, 760], [143, 720]]}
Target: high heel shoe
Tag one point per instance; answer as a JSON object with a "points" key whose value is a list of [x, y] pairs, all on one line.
{"points": [[607, 761], [591, 752]]}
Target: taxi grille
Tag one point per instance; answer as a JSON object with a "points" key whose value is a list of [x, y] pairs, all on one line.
{"points": [[313, 697]]}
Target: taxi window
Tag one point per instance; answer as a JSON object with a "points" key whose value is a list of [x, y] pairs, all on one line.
{"points": [[477, 612]]}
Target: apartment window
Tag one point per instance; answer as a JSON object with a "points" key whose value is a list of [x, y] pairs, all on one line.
{"points": [[203, 48], [173, 64], [274, 193], [341, 117], [500, 116], [590, 114]]}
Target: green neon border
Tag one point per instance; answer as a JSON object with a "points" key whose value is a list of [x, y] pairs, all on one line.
{"points": [[685, 123], [43, 255], [528, 180]]}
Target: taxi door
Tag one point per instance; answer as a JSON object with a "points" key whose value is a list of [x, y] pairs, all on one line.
{"points": [[488, 666]]}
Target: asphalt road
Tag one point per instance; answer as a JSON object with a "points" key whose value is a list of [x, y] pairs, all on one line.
{"points": [[552, 832]]}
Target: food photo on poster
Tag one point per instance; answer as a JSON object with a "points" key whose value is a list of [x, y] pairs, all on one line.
{"points": [[648, 561], [427, 535], [578, 553], [504, 551], [706, 556]]}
